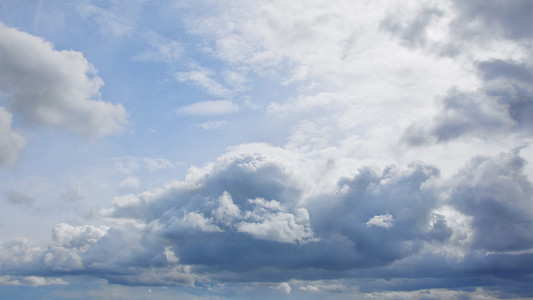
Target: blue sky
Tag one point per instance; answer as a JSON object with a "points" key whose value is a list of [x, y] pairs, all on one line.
{"points": [[266, 149]]}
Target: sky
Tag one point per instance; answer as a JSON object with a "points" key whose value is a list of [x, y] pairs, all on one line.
{"points": [[266, 149]]}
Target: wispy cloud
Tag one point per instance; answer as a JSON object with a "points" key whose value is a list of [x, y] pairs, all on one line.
{"points": [[209, 108]]}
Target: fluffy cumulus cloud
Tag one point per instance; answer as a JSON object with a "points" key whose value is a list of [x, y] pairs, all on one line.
{"points": [[47, 87], [54, 88]]}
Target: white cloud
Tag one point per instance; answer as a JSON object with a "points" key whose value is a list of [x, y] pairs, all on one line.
{"points": [[11, 143], [270, 221], [226, 211], [161, 49], [31, 280], [130, 164], [284, 288], [385, 221], [212, 125], [73, 194], [202, 79], [209, 108], [197, 220], [59, 89]]}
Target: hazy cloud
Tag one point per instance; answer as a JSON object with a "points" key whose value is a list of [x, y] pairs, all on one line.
{"points": [[20, 199], [11, 143], [209, 108]]}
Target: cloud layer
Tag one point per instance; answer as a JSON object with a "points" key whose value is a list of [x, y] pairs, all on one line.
{"points": [[397, 168]]}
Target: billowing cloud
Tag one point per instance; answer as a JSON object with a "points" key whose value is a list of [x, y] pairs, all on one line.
{"points": [[59, 89], [218, 225], [385, 221]]}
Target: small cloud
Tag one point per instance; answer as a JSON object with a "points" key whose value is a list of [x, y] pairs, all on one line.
{"points": [[209, 108], [129, 164], [19, 199], [11, 143], [284, 288], [385, 221], [31, 280], [212, 125], [73, 194]]}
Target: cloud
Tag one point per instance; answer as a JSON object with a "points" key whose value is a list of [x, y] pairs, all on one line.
{"points": [[496, 192], [284, 288], [219, 225], [130, 183], [202, 78], [330, 212], [411, 28], [161, 49], [212, 125], [130, 164], [19, 199], [11, 143], [209, 108], [73, 194], [31, 280], [385, 221], [502, 106], [58, 89]]}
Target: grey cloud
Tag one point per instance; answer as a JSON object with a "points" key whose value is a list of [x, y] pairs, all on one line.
{"points": [[498, 68], [30, 280], [512, 18], [503, 105], [243, 218], [510, 83], [465, 113], [411, 31], [498, 194], [20, 199]]}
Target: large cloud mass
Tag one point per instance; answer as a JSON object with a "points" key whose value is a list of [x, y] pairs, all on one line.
{"points": [[244, 217]]}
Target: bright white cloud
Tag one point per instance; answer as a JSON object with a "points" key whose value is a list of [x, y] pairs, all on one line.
{"points": [[209, 108], [197, 220], [385, 221], [212, 125], [284, 288]]}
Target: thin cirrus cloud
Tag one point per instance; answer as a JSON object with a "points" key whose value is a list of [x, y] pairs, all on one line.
{"points": [[209, 108]]}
